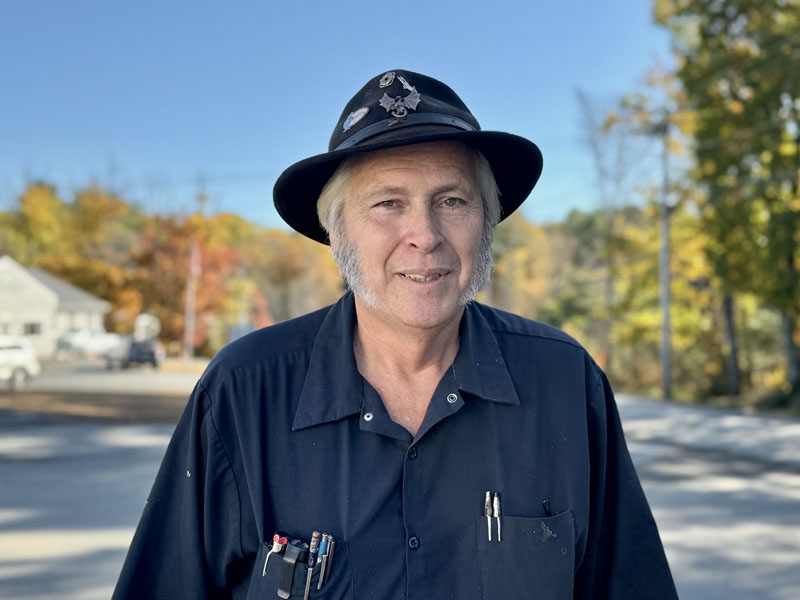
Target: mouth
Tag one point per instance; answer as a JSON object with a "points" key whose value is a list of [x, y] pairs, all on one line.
{"points": [[423, 277]]}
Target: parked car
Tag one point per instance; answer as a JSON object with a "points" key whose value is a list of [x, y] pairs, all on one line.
{"points": [[86, 343], [131, 351], [19, 362]]}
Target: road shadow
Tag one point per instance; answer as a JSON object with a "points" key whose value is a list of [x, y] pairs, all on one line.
{"points": [[729, 523], [72, 496]]}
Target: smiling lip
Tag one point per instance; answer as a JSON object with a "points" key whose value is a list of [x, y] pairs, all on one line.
{"points": [[424, 277]]}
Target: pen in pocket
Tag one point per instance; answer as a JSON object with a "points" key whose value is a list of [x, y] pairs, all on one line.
{"points": [[491, 508], [279, 541], [312, 560], [496, 510]]}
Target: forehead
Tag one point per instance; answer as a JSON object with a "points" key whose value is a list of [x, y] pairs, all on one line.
{"points": [[440, 161]]}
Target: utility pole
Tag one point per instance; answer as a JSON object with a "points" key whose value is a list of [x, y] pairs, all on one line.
{"points": [[664, 276], [195, 268], [190, 305]]}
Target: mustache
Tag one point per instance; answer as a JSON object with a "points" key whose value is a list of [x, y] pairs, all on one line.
{"points": [[347, 258]]}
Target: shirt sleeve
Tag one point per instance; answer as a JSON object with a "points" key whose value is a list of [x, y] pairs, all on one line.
{"points": [[188, 542], [623, 557]]}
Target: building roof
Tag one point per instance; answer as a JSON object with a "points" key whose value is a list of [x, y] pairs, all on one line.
{"points": [[69, 296]]}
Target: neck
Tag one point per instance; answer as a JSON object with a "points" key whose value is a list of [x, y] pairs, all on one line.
{"points": [[401, 351]]}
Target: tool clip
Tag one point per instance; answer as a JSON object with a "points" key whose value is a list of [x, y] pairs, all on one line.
{"points": [[296, 551]]}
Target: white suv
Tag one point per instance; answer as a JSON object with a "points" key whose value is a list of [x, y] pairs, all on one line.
{"points": [[18, 361]]}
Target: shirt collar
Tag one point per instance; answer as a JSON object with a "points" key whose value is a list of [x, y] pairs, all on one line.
{"points": [[480, 368], [333, 387]]}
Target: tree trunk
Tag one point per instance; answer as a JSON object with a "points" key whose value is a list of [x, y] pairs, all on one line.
{"points": [[732, 357], [790, 350]]}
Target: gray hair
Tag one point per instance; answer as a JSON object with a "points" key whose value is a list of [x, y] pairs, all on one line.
{"points": [[330, 205], [330, 210]]}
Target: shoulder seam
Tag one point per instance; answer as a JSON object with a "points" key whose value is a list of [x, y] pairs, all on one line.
{"points": [[225, 369], [209, 411], [568, 342], [598, 373]]}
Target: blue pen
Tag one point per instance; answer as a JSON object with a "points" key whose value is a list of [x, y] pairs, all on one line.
{"points": [[323, 553]]}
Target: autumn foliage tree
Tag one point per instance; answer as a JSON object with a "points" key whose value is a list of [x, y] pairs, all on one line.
{"points": [[739, 63], [140, 263], [250, 277]]}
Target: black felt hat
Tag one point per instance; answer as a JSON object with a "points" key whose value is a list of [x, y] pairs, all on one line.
{"points": [[399, 108]]}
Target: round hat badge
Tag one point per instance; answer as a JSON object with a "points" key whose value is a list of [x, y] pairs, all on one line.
{"points": [[387, 79]]}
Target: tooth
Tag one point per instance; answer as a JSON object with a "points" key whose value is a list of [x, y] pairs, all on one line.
{"points": [[422, 278]]}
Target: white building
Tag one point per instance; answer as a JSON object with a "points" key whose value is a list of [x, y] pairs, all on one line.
{"points": [[42, 307]]}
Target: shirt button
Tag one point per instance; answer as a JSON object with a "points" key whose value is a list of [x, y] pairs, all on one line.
{"points": [[368, 416], [451, 398], [413, 543], [413, 452]]}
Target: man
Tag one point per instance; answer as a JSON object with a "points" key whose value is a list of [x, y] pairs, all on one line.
{"points": [[447, 449]]}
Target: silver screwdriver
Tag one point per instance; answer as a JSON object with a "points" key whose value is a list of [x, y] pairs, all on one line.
{"points": [[487, 510], [329, 557], [497, 515]]}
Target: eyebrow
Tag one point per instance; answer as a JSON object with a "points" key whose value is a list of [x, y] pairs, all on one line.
{"points": [[383, 190], [442, 189]]}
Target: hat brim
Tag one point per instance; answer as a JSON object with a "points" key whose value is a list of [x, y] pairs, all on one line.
{"points": [[516, 163]]}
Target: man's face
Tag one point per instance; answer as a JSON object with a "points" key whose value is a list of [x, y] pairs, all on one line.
{"points": [[411, 245]]}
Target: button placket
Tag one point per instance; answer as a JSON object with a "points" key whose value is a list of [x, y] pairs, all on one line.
{"points": [[445, 402], [414, 514]]}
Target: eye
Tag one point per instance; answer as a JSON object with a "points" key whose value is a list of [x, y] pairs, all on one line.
{"points": [[452, 202], [386, 204]]}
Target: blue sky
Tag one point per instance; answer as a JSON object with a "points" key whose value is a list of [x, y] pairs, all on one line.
{"points": [[154, 98]]}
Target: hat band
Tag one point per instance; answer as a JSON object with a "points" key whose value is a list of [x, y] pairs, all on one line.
{"points": [[408, 121]]}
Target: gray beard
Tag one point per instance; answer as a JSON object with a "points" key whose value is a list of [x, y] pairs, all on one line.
{"points": [[346, 256]]}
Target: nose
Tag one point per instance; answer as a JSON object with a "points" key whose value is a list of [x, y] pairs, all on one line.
{"points": [[423, 230]]}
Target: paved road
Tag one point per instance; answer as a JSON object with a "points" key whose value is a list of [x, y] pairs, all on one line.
{"points": [[173, 379], [71, 494], [725, 489]]}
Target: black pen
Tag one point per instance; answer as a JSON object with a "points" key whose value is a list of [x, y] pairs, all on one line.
{"points": [[312, 559]]}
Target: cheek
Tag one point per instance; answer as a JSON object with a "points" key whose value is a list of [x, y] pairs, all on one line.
{"points": [[467, 241]]}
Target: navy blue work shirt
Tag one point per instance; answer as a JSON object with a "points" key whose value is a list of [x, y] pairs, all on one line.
{"points": [[283, 433]]}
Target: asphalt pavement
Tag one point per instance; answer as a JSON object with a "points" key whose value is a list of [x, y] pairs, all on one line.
{"points": [[725, 491], [724, 488], [71, 495]]}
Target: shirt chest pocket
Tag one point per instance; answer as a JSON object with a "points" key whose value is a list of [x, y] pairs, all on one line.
{"points": [[534, 558], [338, 581]]}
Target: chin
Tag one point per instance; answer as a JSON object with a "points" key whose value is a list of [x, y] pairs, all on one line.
{"points": [[416, 308], [424, 314]]}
